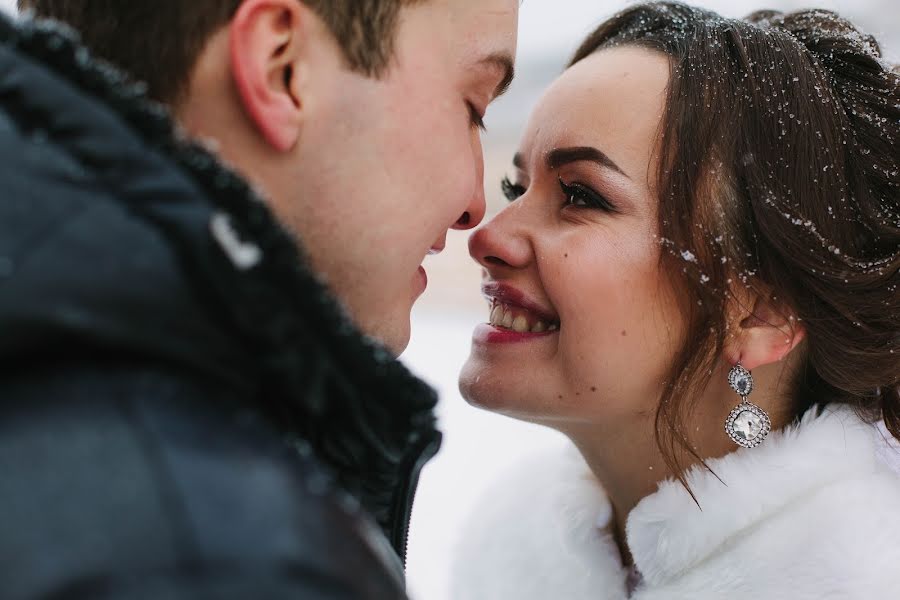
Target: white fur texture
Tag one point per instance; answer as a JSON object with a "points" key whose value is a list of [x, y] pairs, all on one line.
{"points": [[813, 513]]}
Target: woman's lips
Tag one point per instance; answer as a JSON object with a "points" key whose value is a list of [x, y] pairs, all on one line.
{"points": [[486, 333], [519, 319], [514, 318], [501, 293]]}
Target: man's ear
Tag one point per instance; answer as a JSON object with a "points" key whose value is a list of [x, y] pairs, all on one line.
{"points": [[763, 332], [266, 46]]}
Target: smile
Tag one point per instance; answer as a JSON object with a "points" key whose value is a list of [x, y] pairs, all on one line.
{"points": [[519, 319], [515, 316]]}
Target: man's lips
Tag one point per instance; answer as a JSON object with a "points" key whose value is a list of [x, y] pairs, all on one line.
{"points": [[438, 246], [421, 274], [422, 279]]}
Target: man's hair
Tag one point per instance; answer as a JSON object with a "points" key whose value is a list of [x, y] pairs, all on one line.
{"points": [[159, 42]]}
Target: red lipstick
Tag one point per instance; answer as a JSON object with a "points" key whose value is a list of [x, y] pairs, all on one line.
{"points": [[507, 294], [486, 333], [509, 303]]}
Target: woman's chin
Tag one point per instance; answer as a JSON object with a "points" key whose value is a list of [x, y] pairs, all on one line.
{"points": [[474, 384], [469, 378], [487, 388]]}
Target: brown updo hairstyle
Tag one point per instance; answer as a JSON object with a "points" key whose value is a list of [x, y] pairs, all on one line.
{"points": [[779, 171]]}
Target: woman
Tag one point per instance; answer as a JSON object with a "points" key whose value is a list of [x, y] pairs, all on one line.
{"points": [[696, 282]]}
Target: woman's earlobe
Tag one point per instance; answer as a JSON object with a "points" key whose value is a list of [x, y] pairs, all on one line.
{"points": [[767, 335]]}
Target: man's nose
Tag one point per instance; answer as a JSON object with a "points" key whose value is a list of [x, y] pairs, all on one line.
{"points": [[474, 213]]}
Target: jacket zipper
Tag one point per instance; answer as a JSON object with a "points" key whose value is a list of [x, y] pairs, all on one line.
{"points": [[402, 510]]}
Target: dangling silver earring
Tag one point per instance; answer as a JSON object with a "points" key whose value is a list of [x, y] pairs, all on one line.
{"points": [[747, 425]]}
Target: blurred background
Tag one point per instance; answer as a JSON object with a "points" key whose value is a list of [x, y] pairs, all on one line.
{"points": [[479, 445]]}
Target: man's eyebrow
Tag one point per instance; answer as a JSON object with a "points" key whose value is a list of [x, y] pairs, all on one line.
{"points": [[503, 62], [564, 156]]}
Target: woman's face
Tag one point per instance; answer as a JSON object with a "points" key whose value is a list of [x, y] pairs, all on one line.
{"points": [[585, 321]]}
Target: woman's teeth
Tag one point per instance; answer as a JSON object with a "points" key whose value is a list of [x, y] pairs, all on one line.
{"points": [[519, 320]]}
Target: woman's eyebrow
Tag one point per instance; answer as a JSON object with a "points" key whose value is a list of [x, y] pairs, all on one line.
{"points": [[563, 156]]}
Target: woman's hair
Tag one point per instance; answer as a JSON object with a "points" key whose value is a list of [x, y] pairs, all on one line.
{"points": [[779, 171]]}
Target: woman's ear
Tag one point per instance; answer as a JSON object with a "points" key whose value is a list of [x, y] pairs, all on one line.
{"points": [[765, 334], [266, 48]]}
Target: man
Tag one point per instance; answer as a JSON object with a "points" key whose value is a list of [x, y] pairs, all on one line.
{"points": [[185, 406]]}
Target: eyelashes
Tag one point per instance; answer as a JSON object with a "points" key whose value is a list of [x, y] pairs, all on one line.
{"points": [[511, 191], [576, 195], [475, 116]]}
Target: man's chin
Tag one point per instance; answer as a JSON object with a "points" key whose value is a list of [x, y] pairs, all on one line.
{"points": [[393, 334], [398, 346]]}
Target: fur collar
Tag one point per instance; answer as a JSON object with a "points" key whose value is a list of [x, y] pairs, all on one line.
{"points": [[540, 532], [815, 499], [668, 534]]}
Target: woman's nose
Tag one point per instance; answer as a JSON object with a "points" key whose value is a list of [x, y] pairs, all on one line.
{"points": [[502, 243]]}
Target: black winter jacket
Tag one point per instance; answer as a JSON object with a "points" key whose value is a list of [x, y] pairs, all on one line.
{"points": [[184, 410]]}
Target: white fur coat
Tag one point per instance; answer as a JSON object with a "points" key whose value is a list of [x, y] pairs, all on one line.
{"points": [[812, 514]]}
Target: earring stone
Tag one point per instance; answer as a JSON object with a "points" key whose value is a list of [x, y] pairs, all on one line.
{"points": [[747, 425]]}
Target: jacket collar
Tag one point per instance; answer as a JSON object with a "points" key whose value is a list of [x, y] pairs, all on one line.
{"points": [[668, 533]]}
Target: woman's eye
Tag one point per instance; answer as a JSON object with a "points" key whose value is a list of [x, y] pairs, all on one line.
{"points": [[579, 196], [511, 190]]}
